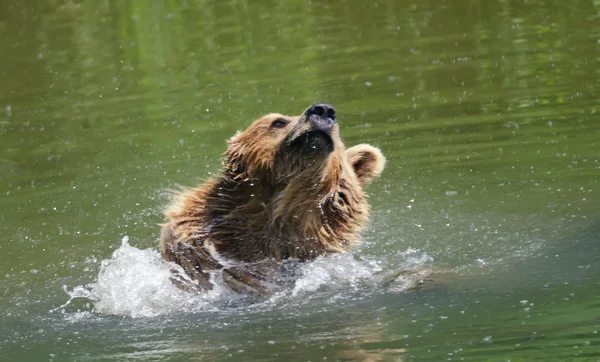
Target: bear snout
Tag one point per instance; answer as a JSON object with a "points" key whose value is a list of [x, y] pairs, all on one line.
{"points": [[316, 130], [321, 110], [319, 117]]}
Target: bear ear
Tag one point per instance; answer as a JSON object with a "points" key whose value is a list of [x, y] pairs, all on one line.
{"points": [[367, 162]]}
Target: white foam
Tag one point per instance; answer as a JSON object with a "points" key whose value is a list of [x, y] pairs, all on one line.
{"points": [[413, 258], [334, 270], [137, 283]]}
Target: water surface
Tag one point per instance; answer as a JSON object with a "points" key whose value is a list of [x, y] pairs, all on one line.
{"points": [[486, 111]]}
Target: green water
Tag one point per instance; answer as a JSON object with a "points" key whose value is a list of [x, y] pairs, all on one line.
{"points": [[486, 111]]}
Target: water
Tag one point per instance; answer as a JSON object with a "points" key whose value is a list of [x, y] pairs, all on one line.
{"points": [[486, 111]]}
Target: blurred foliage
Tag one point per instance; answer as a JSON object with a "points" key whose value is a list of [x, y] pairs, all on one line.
{"points": [[485, 109]]}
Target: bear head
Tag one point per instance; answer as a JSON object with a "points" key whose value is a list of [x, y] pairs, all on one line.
{"points": [[307, 187], [281, 148]]}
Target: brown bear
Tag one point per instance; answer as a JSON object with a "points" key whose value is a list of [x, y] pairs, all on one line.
{"points": [[289, 189]]}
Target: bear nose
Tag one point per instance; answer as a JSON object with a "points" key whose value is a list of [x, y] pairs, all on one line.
{"points": [[321, 110]]}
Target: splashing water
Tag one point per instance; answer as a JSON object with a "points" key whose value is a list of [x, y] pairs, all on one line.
{"points": [[334, 270], [138, 283]]}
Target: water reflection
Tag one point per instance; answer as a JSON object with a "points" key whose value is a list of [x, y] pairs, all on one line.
{"points": [[485, 110]]}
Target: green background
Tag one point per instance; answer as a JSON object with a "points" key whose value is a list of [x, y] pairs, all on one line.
{"points": [[486, 111]]}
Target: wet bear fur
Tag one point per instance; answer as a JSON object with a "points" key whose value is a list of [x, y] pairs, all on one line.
{"points": [[288, 189]]}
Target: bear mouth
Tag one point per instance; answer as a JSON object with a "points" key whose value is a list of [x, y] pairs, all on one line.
{"points": [[314, 142]]}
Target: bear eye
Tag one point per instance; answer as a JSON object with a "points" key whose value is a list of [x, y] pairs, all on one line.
{"points": [[279, 123]]}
